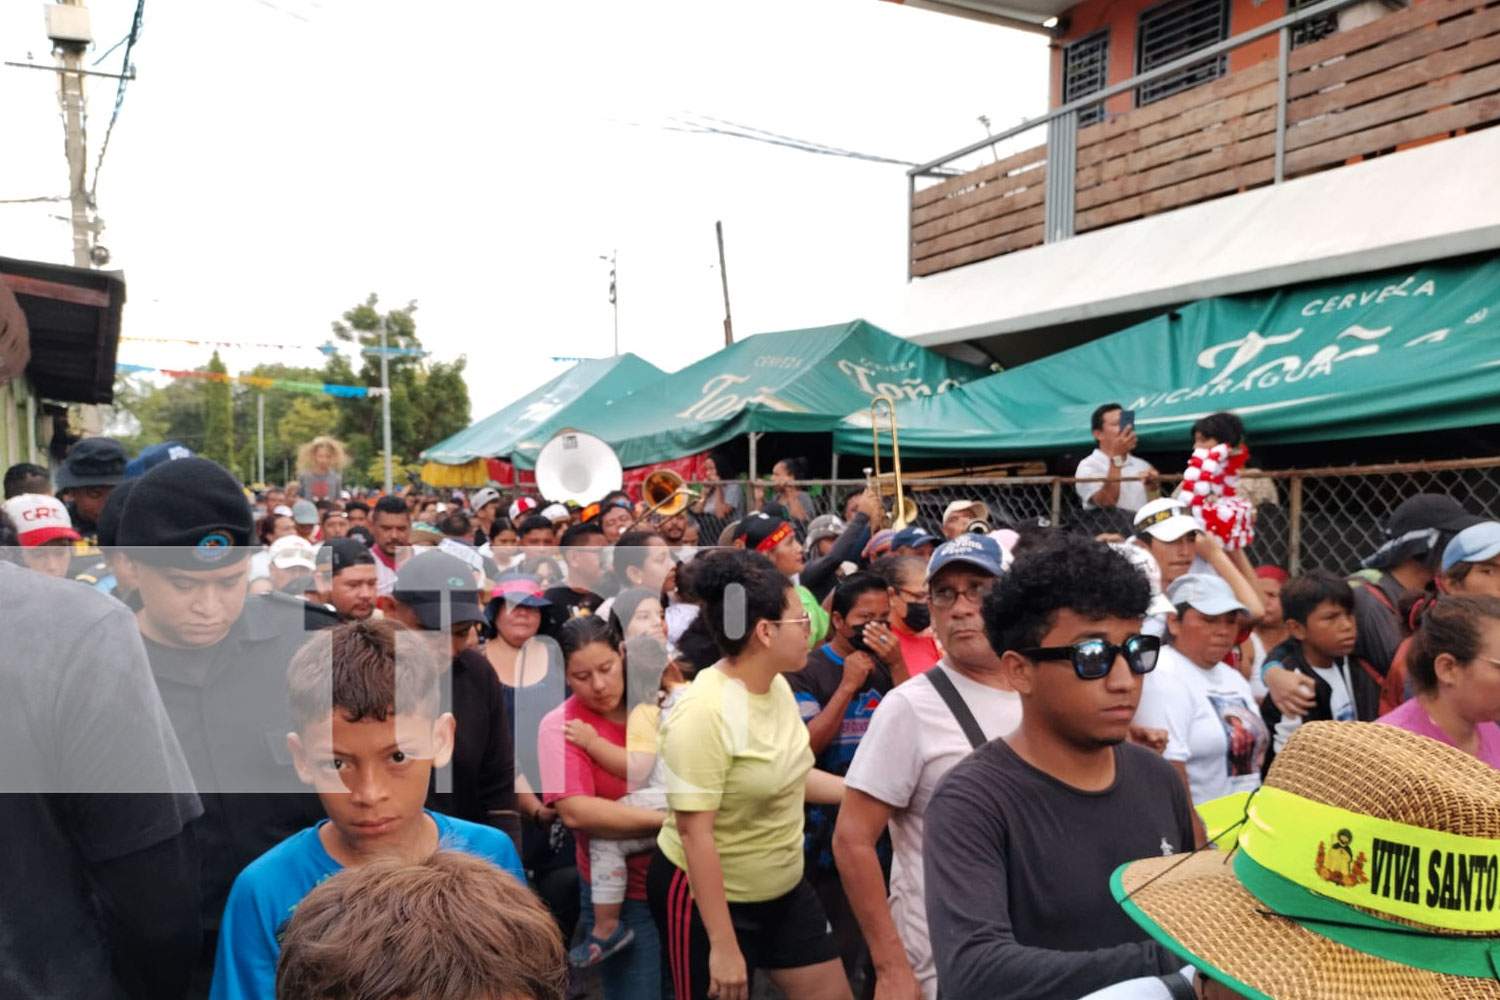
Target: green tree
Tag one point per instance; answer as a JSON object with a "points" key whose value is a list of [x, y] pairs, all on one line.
{"points": [[218, 416], [428, 402]]}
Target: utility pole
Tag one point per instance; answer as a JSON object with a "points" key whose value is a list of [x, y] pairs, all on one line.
{"points": [[260, 436], [385, 403], [614, 299], [724, 280]]}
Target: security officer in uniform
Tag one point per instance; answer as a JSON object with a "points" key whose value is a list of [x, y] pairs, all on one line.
{"points": [[219, 656]]}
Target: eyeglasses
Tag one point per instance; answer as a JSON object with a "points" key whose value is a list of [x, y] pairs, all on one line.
{"points": [[914, 596], [946, 597], [804, 622], [1094, 658]]}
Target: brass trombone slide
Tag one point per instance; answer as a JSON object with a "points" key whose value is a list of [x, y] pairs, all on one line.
{"points": [[904, 509]]}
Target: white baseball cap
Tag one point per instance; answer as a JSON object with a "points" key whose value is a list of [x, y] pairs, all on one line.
{"points": [[39, 519], [1146, 563], [1165, 519], [1204, 592], [556, 512], [293, 551], [981, 512]]}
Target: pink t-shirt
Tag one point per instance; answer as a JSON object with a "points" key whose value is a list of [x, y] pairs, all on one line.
{"points": [[568, 771], [1412, 717], [921, 652]]}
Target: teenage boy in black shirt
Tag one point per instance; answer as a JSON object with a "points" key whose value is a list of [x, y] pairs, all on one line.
{"points": [[1023, 835], [580, 593]]}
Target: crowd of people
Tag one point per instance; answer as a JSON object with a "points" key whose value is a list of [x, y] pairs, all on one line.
{"points": [[311, 742]]}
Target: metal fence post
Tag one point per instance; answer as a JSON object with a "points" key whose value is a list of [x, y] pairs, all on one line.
{"points": [[1294, 528], [1056, 501], [1062, 179], [1283, 51]]}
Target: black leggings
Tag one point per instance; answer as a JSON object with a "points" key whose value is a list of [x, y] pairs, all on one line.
{"points": [[789, 932]]}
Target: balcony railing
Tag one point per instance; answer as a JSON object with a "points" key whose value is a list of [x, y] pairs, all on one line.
{"points": [[1425, 72]]}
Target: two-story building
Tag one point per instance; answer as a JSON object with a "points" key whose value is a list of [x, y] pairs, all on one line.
{"points": [[1200, 148]]}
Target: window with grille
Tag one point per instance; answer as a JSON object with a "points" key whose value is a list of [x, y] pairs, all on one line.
{"points": [[1312, 29], [1085, 72], [1172, 30]]}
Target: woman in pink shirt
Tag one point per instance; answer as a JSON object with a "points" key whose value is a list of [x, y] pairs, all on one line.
{"points": [[586, 796], [1454, 664]]}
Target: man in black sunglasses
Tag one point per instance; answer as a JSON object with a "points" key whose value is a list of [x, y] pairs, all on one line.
{"points": [[1024, 834]]}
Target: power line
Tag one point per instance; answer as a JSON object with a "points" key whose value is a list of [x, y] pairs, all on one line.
{"points": [[125, 75], [704, 124]]}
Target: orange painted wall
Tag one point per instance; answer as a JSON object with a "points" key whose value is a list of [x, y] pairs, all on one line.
{"points": [[1120, 16]]}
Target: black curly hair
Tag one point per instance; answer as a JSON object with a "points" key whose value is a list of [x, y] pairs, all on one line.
{"points": [[1070, 572], [738, 589]]}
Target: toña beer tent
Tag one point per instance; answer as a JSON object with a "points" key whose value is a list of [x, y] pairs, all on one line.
{"points": [[586, 384], [1403, 351], [794, 380]]}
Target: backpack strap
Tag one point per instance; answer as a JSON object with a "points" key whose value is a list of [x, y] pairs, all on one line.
{"points": [[1179, 988], [957, 706]]}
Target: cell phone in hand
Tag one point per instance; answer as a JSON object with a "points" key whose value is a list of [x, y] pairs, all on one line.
{"points": [[1127, 421]]}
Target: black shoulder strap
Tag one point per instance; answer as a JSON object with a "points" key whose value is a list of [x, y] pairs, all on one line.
{"points": [[956, 705], [1179, 988]]}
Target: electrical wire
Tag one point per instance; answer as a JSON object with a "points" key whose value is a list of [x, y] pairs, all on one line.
{"points": [[125, 73], [706, 125]]}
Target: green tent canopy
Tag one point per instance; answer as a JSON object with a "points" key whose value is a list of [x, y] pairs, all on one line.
{"points": [[594, 381], [796, 380], [1410, 350]]}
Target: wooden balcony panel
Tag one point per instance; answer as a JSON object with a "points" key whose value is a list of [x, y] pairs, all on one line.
{"points": [[1216, 185], [1483, 49], [1254, 88], [976, 180], [1347, 55], [1202, 96], [1029, 237], [1202, 140], [1001, 226], [1025, 196], [1419, 101], [1470, 114]]}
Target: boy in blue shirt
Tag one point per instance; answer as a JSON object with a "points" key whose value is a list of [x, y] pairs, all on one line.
{"points": [[364, 700]]}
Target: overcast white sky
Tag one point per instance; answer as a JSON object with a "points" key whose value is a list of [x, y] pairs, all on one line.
{"points": [[277, 160]]}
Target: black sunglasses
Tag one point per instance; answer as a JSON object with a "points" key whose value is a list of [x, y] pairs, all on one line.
{"points": [[1093, 658]]}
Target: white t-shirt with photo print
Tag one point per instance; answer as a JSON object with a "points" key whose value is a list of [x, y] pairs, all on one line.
{"points": [[1212, 721]]}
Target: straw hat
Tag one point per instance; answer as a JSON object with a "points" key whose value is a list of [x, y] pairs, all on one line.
{"points": [[1367, 866]]}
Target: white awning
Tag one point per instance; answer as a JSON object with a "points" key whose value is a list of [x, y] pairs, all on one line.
{"points": [[1435, 201]]}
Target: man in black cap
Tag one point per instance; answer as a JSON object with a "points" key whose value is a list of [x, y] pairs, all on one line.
{"points": [[219, 656], [93, 468], [438, 594], [346, 579]]}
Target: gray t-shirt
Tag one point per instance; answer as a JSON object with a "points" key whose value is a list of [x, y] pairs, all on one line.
{"points": [[1018, 867]]}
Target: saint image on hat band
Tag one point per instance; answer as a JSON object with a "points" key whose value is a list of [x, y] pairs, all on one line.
{"points": [[1367, 865]]}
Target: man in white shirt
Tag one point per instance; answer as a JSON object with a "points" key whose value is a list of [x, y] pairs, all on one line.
{"points": [[1120, 479], [914, 738]]}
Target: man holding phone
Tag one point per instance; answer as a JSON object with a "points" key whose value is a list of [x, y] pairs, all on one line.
{"points": [[1120, 479]]}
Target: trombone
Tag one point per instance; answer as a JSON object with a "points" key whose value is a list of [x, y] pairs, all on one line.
{"points": [[904, 510], [665, 493]]}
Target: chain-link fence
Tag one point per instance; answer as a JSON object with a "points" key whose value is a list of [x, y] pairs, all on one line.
{"points": [[1306, 518]]}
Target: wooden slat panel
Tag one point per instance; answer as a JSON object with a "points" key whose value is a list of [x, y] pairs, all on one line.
{"points": [[1227, 158], [1342, 43], [990, 172], [1370, 116], [1201, 141], [1398, 49], [1192, 120], [1189, 100], [979, 251], [971, 199], [1483, 111], [1201, 189], [1418, 73], [984, 212], [1008, 223]]}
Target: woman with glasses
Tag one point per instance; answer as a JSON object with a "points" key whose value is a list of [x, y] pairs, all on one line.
{"points": [[726, 883], [1454, 665], [1023, 835], [1216, 737]]}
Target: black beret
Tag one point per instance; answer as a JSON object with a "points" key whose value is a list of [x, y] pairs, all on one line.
{"points": [[191, 513], [111, 513]]}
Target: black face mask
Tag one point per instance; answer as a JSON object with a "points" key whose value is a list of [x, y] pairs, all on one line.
{"points": [[857, 639], [918, 617]]}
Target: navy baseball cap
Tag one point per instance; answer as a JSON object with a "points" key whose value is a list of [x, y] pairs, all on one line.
{"points": [[979, 552], [910, 538]]}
